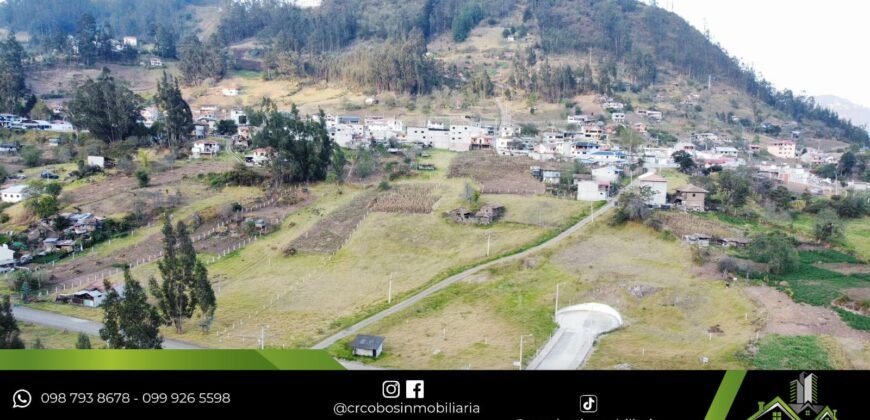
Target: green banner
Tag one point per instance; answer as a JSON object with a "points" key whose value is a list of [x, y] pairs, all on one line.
{"points": [[167, 360], [725, 395]]}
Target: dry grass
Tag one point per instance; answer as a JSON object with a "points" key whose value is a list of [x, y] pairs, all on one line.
{"points": [[664, 330], [52, 338], [498, 174], [413, 198], [329, 234]]}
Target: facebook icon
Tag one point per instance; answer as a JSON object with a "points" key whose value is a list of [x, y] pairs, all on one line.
{"points": [[413, 389]]}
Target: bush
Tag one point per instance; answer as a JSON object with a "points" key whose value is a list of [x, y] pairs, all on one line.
{"points": [[384, 185], [777, 250], [31, 155], [143, 178]]}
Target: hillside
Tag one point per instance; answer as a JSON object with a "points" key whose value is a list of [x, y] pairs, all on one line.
{"points": [[858, 114], [449, 55]]}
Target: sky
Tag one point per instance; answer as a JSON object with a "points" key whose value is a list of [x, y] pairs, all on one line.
{"points": [[816, 46]]}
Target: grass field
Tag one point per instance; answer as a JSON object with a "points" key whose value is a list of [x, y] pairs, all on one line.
{"points": [[485, 316], [304, 297], [52, 338], [858, 237], [777, 352]]}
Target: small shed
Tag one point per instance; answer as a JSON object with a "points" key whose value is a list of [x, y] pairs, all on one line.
{"points": [[691, 197], [367, 345]]}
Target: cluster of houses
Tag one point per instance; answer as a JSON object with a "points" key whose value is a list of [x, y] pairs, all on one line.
{"points": [[81, 227], [15, 122]]}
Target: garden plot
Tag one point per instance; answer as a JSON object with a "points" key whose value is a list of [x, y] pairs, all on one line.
{"points": [[329, 234], [412, 198], [497, 174]]}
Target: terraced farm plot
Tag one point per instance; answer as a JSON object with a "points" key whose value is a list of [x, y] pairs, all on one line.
{"points": [[408, 198], [331, 233], [497, 174]]}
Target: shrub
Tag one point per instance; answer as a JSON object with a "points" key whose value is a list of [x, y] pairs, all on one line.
{"points": [[143, 178]]}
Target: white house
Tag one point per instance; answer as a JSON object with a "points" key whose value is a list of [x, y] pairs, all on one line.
{"points": [[14, 194], [590, 189], [591, 132], [131, 41], [609, 173], [461, 135], [202, 148], [156, 62], [613, 106], [725, 151], [100, 161], [618, 117], [658, 186], [7, 256], [434, 134], [654, 115], [261, 156], [239, 116], [230, 91], [577, 119], [510, 131], [784, 149]]}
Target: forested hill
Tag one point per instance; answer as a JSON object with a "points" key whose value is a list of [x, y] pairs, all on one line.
{"points": [[47, 19], [384, 45]]}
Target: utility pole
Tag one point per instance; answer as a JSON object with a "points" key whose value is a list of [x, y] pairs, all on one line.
{"points": [[556, 310], [488, 240]]}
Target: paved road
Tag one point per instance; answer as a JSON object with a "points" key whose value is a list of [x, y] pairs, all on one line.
{"points": [[63, 322], [458, 277], [579, 326]]}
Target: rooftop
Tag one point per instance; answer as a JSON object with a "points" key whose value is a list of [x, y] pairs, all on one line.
{"points": [[367, 342]]}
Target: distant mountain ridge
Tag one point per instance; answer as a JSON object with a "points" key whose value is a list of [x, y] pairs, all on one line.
{"points": [[859, 114]]}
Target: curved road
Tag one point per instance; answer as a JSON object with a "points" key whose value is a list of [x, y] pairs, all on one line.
{"points": [[63, 322], [458, 277]]}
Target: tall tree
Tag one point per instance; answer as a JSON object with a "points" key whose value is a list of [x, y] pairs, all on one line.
{"points": [[12, 87], [106, 107], [130, 322], [185, 286], [87, 39], [199, 61], [164, 40], [9, 332], [179, 120], [305, 150]]}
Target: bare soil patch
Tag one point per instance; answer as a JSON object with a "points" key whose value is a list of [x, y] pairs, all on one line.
{"points": [[781, 315], [846, 268], [497, 174]]}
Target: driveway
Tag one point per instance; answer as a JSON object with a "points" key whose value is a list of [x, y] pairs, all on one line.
{"points": [[579, 326]]}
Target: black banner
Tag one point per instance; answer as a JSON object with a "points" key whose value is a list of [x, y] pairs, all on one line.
{"points": [[527, 395]]}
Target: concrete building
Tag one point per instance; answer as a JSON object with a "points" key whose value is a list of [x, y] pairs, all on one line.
{"points": [[14, 194], [659, 187], [691, 197], [783, 149]]}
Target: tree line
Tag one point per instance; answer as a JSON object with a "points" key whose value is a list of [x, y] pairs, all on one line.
{"points": [[49, 22]]}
